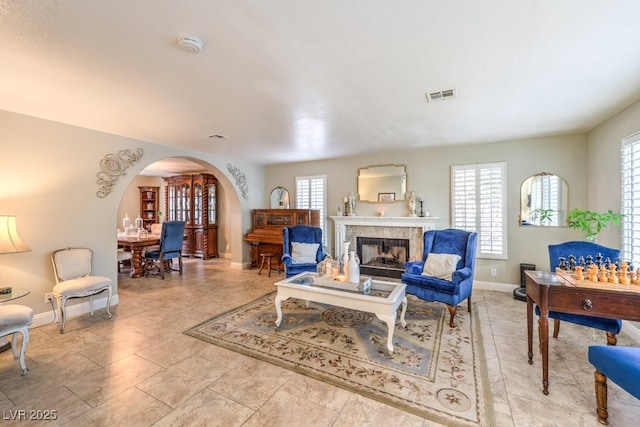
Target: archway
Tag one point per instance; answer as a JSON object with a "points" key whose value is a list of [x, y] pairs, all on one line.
{"points": [[230, 224]]}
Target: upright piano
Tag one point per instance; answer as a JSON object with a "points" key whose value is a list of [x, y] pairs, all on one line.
{"points": [[266, 235]]}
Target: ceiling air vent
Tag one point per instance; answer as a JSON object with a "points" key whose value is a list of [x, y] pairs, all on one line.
{"points": [[441, 95]]}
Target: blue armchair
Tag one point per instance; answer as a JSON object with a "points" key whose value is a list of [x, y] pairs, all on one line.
{"points": [[583, 249], [302, 249], [432, 280]]}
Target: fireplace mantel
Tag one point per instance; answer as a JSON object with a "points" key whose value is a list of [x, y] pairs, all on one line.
{"points": [[343, 222], [426, 222]]}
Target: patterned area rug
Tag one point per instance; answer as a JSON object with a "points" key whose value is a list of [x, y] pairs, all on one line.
{"points": [[435, 371]]}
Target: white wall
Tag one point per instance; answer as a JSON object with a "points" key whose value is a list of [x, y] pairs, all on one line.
{"points": [[48, 175], [428, 172]]}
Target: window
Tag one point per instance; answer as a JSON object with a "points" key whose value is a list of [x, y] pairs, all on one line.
{"points": [[310, 194], [630, 199], [479, 203]]}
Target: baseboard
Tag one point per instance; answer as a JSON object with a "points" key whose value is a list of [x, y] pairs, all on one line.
{"points": [[74, 310], [239, 265], [494, 286], [632, 330]]}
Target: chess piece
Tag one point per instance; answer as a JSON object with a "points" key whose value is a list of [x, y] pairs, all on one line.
{"points": [[581, 262], [579, 275], [572, 262], [592, 273], [602, 276], [613, 277], [599, 259], [562, 263], [636, 280], [623, 277]]}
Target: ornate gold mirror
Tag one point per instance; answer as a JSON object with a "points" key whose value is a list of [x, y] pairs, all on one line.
{"points": [[279, 198], [544, 201], [382, 183]]}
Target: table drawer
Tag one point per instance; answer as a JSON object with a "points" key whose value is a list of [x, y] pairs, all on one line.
{"points": [[594, 303]]}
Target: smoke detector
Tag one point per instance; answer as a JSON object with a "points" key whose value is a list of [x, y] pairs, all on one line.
{"points": [[190, 44]]}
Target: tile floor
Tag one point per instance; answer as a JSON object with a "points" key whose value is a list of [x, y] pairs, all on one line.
{"points": [[139, 369]]}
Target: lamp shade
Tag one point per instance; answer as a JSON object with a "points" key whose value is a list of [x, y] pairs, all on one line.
{"points": [[10, 241]]}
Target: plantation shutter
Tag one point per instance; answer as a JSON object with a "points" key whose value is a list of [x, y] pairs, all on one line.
{"points": [[630, 199], [478, 197], [310, 194]]}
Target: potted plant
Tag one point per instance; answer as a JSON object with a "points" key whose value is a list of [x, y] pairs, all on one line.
{"points": [[590, 223]]}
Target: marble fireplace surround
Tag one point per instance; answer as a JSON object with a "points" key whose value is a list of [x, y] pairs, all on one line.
{"points": [[348, 228]]}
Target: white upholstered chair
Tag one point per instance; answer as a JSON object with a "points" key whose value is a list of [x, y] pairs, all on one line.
{"points": [[15, 319], [72, 268], [124, 257]]}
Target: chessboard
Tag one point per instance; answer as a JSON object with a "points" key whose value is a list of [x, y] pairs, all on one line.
{"points": [[623, 281]]}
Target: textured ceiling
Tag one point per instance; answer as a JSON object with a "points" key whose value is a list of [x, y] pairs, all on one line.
{"points": [[302, 80]]}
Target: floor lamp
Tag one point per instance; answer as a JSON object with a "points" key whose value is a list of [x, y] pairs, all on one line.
{"points": [[10, 243]]}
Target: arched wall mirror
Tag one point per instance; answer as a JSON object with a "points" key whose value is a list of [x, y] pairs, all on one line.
{"points": [[279, 198], [382, 183], [544, 201]]}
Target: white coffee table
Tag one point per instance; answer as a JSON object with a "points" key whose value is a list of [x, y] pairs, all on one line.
{"points": [[385, 307]]}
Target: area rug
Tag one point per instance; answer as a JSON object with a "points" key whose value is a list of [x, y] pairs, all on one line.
{"points": [[435, 371]]}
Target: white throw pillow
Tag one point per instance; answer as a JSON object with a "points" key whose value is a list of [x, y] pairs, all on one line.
{"points": [[441, 266], [303, 253]]}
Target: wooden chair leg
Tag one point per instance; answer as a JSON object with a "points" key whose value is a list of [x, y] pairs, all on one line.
{"points": [[261, 265], [452, 312], [601, 397], [612, 339], [269, 267], [556, 328], [469, 304]]}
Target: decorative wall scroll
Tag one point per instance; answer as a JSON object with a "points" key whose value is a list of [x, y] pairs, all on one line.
{"points": [[241, 180], [113, 167]]}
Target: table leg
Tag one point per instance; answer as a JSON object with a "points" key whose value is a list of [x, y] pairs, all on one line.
{"points": [[543, 333], [404, 310], [390, 320], [136, 262], [278, 302], [530, 329]]}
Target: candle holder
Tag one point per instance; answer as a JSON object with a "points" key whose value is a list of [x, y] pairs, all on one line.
{"points": [[421, 210]]}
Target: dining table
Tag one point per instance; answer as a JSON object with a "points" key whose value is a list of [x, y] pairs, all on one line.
{"points": [[136, 244]]}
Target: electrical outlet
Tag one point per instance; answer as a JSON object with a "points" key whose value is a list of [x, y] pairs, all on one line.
{"points": [[48, 297], [494, 271]]}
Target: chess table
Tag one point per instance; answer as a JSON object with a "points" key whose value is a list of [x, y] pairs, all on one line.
{"points": [[561, 292]]}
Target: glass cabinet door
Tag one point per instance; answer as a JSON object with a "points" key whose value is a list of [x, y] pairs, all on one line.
{"points": [[184, 207], [211, 192], [171, 202], [197, 204]]}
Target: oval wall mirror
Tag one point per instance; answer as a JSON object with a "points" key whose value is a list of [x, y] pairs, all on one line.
{"points": [[544, 201], [279, 198]]}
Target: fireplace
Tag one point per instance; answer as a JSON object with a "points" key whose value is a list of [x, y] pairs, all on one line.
{"points": [[382, 256]]}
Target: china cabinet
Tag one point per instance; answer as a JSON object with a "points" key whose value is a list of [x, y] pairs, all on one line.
{"points": [[193, 199], [149, 206]]}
